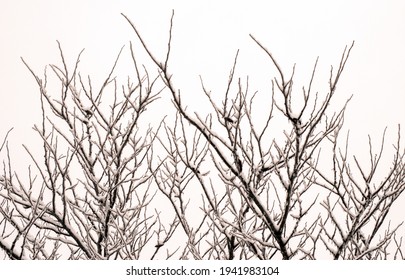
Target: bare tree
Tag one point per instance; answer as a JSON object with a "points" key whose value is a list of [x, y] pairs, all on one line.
{"points": [[265, 196], [364, 202], [90, 197], [237, 183]]}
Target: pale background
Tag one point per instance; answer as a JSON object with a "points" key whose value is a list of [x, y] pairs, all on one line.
{"points": [[206, 37], [208, 33]]}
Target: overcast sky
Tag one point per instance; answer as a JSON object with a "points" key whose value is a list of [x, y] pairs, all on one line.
{"points": [[206, 37]]}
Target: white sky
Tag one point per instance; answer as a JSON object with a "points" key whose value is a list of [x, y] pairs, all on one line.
{"points": [[206, 37]]}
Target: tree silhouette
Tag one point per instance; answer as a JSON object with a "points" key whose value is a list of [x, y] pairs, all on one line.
{"points": [[238, 183]]}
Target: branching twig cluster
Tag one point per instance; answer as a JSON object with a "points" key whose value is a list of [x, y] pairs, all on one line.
{"points": [[92, 188], [220, 186]]}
